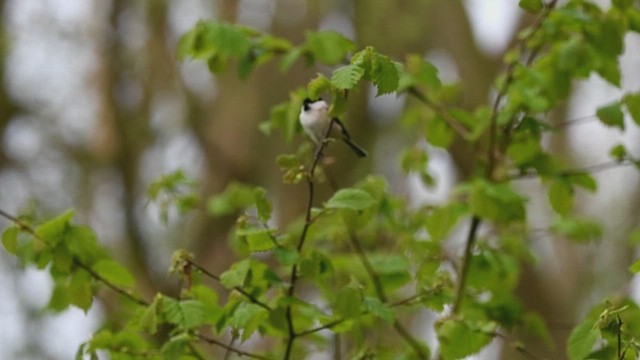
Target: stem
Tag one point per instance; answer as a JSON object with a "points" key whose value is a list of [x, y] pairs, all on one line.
{"points": [[231, 348], [466, 262], [293, 278], [246, 294]]}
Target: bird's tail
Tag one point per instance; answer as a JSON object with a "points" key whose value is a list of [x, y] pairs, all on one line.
{"points": [[347, 139], [356, 149]]}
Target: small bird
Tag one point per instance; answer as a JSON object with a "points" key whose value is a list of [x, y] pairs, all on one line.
{"points": [[314, 117]]}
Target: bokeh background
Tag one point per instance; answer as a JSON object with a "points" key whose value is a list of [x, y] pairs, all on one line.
{"points": [[94, 106]]}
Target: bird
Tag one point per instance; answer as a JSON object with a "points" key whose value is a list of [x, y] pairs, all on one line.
{"points": [[314, 118]]}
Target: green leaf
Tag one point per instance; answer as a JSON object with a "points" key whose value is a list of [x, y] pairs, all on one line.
{"points": [[423, 72], [346, 77], [582, 341], [354, 199], [347, 302], [59, 300], [114, 273], [384, 74], [317, 86], [53, 230], [611, 115], [185, 314], [618, 152], [83, 244], [262, 204], [259, 240], [577, 229], [236, 196], [248, 317], [379, 309], [236, 275], [496, 202], [635, 267], [632, 102], [81, 290], [561, 197], [10, 239], [533, 6], [328, 47], [441, 220], [584, 180], [451, 331], [438, 132], [149, 318], [290, 58], [524, 151]]}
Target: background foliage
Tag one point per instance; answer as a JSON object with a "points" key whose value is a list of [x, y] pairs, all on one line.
{"points": [[327, 257]]}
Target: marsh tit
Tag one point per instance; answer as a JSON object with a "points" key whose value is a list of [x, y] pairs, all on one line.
{"points": [[314, 117]]}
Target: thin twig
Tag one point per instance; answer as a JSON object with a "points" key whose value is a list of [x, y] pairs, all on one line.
{"points": [[110, 285], [592, 169], [518, 347], [293, 278], [219, 343], [246, 294], [440, 111], [466, 262]]}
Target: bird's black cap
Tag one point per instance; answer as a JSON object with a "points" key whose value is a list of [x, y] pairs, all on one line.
{"points": [[306, 102]]}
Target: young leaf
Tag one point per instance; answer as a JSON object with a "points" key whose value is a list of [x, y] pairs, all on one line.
{"points": [[236, 275], [441, 220], [262, 204], [347, 302], [632, 102], [80, 290], [317, 86], [379, 309], [531, 5], [149, 318], [114, 273], [53, 230], [611, 115], [561, 197], [10, 239], [582, 340], [384, 74], [450, 331], [259, 240], [328, 47], [496, 202], [347, 76], [186, 314], [354, 199], [635, 267]]}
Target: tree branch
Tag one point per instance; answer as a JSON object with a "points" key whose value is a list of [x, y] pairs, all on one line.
{"points": [[492, 148], [293, 278]]}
